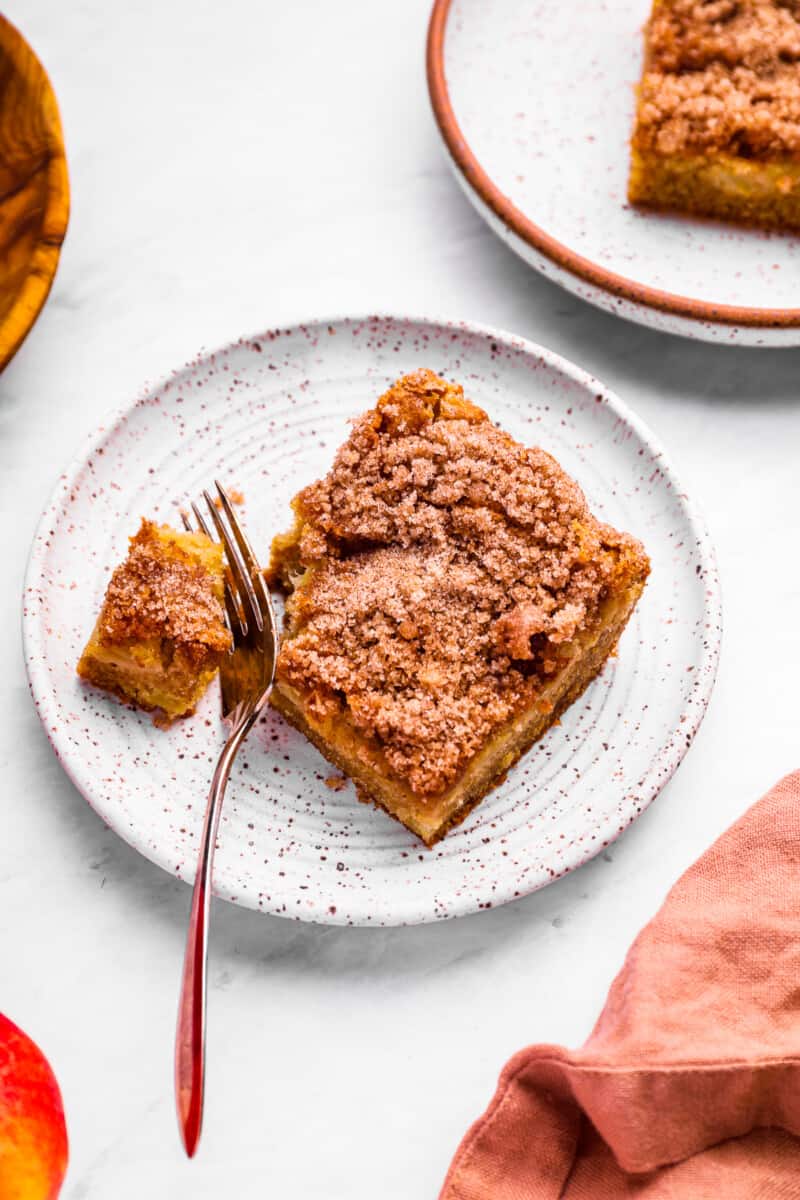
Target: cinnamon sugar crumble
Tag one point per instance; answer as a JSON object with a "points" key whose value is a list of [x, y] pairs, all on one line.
{"points": [[448, 567], [152, 595], [722, 75]]}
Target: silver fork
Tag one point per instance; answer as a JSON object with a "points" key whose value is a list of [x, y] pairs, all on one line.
{"points": [[246, 676]]}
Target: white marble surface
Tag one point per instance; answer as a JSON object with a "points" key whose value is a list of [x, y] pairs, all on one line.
{"points": [[233, 166]]}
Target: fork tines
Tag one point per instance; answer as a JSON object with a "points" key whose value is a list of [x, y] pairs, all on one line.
{"points": [[246, 598]]}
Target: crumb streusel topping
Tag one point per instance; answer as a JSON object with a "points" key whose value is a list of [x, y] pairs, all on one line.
{"points": [[722, 75], [450, 567], [154, 594]]}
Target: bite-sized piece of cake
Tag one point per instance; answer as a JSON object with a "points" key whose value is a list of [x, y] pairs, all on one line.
{"points": [[718, 116], [450, 595], [161, 632]]}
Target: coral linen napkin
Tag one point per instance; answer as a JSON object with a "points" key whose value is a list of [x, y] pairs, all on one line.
{"points": [[689, 1085]]}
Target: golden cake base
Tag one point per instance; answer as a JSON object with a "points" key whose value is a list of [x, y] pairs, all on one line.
{"points": [[745, 191]]}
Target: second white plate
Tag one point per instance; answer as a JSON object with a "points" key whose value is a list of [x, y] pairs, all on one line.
{"points": [[265, 415], [535, 103]]}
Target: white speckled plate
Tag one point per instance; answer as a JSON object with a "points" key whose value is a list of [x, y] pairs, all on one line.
{"points": [[535, 103], [265, 415]]}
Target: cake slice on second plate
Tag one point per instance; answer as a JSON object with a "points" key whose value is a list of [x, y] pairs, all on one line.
{"points": [[718, 117], [449, 595]]}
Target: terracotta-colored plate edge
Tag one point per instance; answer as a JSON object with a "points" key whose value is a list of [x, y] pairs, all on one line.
{"points": [[535, 236], [20, 318]]}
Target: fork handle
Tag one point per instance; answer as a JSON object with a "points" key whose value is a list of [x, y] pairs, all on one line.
{"points": [[190, 1036]]}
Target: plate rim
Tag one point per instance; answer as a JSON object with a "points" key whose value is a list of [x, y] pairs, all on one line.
{"points": [[668, 757], [538, 239]]}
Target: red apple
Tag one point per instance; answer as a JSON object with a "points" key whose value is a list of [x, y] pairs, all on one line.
{"points": [[33, 1135]]}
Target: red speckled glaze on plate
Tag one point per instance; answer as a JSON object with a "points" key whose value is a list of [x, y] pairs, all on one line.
{"points": [[265, 415]]}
